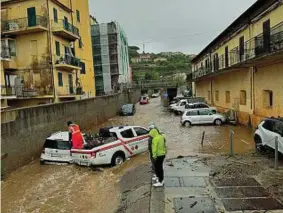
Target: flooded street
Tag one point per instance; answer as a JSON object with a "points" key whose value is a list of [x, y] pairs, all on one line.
{"points": [[70, 188]]}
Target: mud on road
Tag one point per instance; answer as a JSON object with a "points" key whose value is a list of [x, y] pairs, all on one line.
{"points": [[70, 188]]}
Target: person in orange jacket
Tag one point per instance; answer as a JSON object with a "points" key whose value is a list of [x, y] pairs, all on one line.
{"points": [[75, 136]]}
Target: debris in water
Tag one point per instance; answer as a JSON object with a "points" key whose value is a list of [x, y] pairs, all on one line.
{"points": [[181, 208], [169, 200], [170, 164], [193, 204], [180, 156], [191, 196]]}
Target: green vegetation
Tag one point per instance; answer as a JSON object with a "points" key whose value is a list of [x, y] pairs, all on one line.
{"points": [[166, 68]]}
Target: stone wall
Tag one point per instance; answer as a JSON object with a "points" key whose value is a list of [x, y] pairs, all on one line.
{"points": [[24, 130]]}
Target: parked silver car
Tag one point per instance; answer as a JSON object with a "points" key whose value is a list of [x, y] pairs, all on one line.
{"points": [[201, 116]]}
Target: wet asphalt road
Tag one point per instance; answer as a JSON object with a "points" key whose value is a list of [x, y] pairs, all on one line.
{"points": [[69, 188]]}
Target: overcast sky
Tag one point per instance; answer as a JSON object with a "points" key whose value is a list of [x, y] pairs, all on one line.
{"points": [[171, 25]]}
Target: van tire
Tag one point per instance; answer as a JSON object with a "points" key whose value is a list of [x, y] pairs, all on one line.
{"points": [[118, 158], [218, 122], [42, 162]]}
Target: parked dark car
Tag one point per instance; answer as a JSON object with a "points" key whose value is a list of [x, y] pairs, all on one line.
{"points": [[128, 109]]}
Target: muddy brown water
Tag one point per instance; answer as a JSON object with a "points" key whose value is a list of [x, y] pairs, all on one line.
{"points": [[69, 188]]}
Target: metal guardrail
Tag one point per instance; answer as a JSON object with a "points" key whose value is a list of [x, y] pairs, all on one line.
{"points": [[154, 84], [256, 47], [22, 23]]}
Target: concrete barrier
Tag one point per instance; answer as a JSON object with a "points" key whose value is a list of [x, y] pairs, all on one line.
{"points": [[24, 130]]}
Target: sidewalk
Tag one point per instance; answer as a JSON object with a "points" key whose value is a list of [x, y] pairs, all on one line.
{"points": [[192, 186]]}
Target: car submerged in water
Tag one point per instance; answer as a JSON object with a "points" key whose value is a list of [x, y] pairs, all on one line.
{"points": [[112, 145], [128, 109]]}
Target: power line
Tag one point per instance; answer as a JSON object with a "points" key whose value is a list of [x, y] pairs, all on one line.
{"points": [[175, 37]]}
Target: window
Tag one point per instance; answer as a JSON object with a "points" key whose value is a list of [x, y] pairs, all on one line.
{"points": [[55, 15], [64, 145], [78, 16], [51, 144], [127, 133], [217, 95], [57, 44], [60, 79], [226, 56], [243, 97], [80, 43], [208, 95], [227, 96], [192, 113], [82, 65], [202, 106], [268, 98], [268, 124], [203, 112], [183, 103], [34, 48], [140, 131], [278, 127], [242, 48], [12, 47]]}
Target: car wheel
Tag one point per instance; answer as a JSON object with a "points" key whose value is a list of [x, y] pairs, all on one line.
{"points": [[42, 162], [187, 124], [118, 159], [218, 122], [258, 144]]}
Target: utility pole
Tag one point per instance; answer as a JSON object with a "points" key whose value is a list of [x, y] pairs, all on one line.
{"points": [[143, 48]]}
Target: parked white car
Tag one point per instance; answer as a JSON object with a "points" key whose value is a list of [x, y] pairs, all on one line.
{"points": [[201, 116], [266, 133], [181, 104], [197, 105], [155, 95], [125, 141]]}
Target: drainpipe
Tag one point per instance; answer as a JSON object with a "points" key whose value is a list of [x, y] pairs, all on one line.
{"points": [[72, 19], [50, 50]]}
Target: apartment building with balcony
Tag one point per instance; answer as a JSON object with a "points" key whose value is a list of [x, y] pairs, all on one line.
{"points": [[110, 56], [46, 53], [242, 68]]}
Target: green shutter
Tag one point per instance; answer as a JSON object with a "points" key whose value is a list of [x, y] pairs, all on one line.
{"points": [[60, 79], [55, 13], [80, 43], [31, 16], [78, 16], [57, 44]]}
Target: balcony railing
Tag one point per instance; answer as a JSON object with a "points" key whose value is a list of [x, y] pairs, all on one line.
{"points": [[67, 60], [22, 24], [64, 25], [259, 46], [21, 91], [69, 91]]}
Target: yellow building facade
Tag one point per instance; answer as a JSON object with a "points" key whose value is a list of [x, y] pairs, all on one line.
{"points": [[46, 53], [242, 68]]}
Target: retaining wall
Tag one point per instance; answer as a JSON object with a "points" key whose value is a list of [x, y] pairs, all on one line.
{"points": [[24, 130]]}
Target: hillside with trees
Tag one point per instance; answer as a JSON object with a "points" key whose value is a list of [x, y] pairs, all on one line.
{"points": [[159, 66]]}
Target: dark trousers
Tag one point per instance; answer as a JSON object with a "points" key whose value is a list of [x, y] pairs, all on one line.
{"points": [[158, 165], [152, 162]]}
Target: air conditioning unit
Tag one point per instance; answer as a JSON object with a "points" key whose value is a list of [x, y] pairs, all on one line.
{"points": [[13, 26]]}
